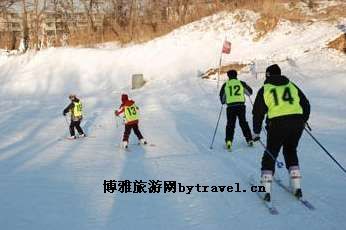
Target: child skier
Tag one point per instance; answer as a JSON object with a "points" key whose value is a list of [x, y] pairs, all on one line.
{"points": [[75, 110], [130, 111]]}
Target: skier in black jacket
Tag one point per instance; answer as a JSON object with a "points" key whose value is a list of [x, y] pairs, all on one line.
{"points": [[75, 110], [287, 110], [233, 93]]}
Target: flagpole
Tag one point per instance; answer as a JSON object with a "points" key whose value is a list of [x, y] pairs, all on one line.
{"points": [[219, 72], [220, 62]]}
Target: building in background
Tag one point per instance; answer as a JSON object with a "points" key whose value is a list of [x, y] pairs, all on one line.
{"points": [[53, 29]]}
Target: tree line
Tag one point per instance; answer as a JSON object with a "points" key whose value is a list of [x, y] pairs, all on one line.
{"points": [[87, 22]]}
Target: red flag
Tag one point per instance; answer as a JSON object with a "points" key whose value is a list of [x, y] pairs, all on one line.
{"points": [[226, 48]]}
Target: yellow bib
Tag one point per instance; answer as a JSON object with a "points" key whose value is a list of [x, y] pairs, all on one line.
{"points": [[131, 113], [234, 91], [282, 100]]}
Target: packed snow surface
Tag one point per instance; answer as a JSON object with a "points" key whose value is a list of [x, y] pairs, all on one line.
{"points": [[48, 182]]}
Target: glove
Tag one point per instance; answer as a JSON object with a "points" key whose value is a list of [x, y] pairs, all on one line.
{"points": [[223, 101], [64, 114], [256, 137], [306, 125]]}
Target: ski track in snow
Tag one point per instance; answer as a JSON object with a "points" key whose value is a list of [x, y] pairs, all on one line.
{"points": [[49, 183], [45, 181]]}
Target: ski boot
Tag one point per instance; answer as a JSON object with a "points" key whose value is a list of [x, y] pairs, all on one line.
{"points": [[295, 181], [266, 181], [125, 145], [72, 138], [143, 141], [82, 135], [229, 145], [250, 143], [298, 193], [266, 197]]}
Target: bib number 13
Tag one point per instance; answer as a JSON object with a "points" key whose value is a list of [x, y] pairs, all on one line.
{"points": [[132, 111], [79, 107], [286, 96]]}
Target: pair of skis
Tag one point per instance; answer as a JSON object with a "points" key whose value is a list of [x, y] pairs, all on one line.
{"points": [[74, 139], [303, 201], [249, 145], [129, 149], [270, 205]]}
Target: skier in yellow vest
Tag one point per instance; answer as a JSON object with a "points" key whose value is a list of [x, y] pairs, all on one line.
{"points": [[76, 112], [233, 93], [130, 111], [287, 110]]}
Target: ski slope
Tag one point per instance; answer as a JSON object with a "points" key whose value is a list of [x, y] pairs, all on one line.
{"points": [[51, 183]]}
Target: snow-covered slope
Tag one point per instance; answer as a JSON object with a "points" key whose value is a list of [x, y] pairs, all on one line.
{"points": [[49, 183]]}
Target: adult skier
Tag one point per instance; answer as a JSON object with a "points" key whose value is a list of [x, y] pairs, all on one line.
{"points": [[233, 93], [130, 112], [75, 109], [287, 110]]}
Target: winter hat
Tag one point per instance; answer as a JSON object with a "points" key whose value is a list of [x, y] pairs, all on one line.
{"points": [[124, 97], [232, 74], [72, 96], [273, 70]]}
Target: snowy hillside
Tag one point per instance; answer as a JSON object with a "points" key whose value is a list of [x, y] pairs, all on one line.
{"points": [[51, 183]]}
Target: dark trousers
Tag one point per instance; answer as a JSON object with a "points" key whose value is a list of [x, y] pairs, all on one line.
{"points": [[234, 112], [285, 133], [128, 129], [75, 124]]}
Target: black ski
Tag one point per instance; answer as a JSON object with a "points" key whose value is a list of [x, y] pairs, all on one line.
{"points": [[228, 150], [121, 147], [74, 139], [147, 145], [269, 205], [303, 201]]}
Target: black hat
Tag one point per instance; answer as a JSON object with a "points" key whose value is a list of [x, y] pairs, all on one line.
{"points": [[232, 74], [273, 70]]}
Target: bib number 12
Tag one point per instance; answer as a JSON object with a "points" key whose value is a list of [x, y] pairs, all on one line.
{"points": [[236, 90]]}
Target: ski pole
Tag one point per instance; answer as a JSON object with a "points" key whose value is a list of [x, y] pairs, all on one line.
{"points": [[116, 122], [265, 132], [217, 124], [308, 126], [250, 100], [325, 150], [278, 163], [66, 121]]}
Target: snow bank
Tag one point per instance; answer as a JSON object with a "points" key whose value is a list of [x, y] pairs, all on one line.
{"points": [[178, 55]]}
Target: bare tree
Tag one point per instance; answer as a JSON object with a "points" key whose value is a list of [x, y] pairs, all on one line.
{"points": [[25, 25], [39, 6], [7, 37], [67, 8], [89, 21], [56, 12], [89, 7], [6, 4]]}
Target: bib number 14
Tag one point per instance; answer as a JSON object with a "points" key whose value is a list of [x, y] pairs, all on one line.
{"points": [[286, 96]]}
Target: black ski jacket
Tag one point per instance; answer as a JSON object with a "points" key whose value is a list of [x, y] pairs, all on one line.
{"points": [[70, 106], [260, 109]]}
